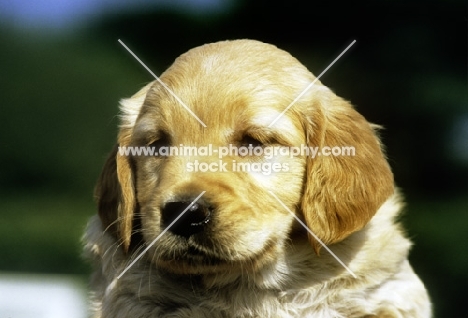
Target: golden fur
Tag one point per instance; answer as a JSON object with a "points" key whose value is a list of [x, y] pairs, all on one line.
{"points": [[249, 257]]}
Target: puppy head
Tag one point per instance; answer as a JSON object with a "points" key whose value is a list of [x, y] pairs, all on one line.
{"points": [[237, 88]]}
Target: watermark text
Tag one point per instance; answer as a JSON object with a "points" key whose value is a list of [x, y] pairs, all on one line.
{"points": [[267, 152]]}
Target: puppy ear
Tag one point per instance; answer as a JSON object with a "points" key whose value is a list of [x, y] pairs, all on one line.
{"points": [[115, 195], [342, 192], [115, 190]]}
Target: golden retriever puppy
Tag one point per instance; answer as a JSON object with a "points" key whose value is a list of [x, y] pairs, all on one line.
{"points": [[230, 206]]}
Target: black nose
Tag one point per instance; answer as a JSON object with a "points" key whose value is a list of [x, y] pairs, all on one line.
{"points": [[191, 222]]}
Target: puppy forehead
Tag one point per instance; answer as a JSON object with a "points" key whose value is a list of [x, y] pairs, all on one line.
{"points": [[226, 83], [229, 113]]}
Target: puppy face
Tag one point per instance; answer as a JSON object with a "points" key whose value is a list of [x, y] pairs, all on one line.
{"points": [[237, 89]]}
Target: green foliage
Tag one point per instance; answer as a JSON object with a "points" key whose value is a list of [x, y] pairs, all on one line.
{"points": [[40, 233], [59, 106], [438, 229]]}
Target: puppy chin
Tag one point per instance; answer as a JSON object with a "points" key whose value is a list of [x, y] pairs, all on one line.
{"points": [[194, 267], [192, 261]]}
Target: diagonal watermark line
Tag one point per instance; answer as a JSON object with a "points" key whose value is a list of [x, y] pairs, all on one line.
{"points": [[315, 236], [162, 83], [159, 236], [310, 85]]}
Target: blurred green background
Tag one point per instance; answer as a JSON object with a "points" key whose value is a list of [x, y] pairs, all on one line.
{"points": [[62, 73]]}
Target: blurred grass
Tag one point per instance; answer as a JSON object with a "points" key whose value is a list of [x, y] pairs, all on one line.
{"points": [[438, 229], [40, 233]]}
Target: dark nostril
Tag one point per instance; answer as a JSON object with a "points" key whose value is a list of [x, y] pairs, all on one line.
{"points": [[191, 222], [199, 214]]}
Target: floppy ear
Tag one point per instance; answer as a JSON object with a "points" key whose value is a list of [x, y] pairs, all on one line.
{"points": [[116, 197], [342, 192], [115, 190]]}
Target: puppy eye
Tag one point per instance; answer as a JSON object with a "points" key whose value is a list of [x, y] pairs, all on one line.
{"points": [[249, 140], [158, 143], [162, 141]]}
